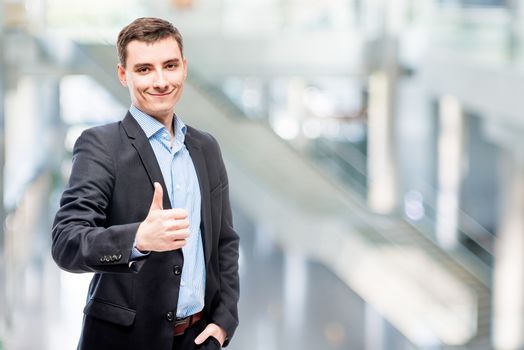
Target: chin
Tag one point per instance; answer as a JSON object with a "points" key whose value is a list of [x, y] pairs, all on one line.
{"points": [[161, 108]]}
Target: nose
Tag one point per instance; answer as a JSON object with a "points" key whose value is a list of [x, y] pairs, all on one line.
{"points": [[160, 81]]}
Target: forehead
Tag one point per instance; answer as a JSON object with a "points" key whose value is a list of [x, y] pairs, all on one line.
{"points": [[158, 51]]}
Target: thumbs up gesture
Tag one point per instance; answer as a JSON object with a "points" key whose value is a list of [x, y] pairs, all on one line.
{"points": [[162, 230]]}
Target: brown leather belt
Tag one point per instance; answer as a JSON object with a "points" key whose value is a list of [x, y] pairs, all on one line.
{"points": [[182, 325]]}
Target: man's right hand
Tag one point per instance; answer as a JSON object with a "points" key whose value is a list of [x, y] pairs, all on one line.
{"points": [[162, 230]]}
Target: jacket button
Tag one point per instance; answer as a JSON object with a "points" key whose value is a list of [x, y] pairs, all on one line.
{"points": [[177, 270], [170, 316]]}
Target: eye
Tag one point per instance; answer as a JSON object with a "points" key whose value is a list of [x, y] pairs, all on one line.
{"points": [[142, 69], [171, 66]]}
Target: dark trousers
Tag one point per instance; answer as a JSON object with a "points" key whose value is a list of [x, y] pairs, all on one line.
{"points": [[186, 341]]}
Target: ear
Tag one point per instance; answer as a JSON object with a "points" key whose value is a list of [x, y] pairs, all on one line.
{"points": [[122, 75], [184, 62]]}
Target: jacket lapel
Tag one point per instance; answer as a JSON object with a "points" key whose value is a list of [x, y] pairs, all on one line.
{"points": [[199, 161], [140, 142]]}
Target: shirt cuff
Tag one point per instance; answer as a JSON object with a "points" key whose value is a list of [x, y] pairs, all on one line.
{"points": [[137, 254]]}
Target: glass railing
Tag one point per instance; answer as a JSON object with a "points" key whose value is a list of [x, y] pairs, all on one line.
{"points": [[348, 162]]}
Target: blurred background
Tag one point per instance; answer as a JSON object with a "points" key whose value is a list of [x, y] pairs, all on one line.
{"points": [[375, 150]]}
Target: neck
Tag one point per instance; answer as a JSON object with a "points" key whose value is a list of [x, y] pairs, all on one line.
{"points": [[168, 123], [166, 119]]}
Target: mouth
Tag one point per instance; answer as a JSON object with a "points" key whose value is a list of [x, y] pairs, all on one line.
{"points": [[163, 94]]}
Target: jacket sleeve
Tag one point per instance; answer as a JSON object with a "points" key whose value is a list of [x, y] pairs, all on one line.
{"points": [[226, 312], [82, 241]]}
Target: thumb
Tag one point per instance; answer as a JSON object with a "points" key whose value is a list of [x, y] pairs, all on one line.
{"points": [[156, 204], [203, 336]]}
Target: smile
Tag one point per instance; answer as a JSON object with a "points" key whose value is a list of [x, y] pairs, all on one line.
{"points": [[162, 94]]}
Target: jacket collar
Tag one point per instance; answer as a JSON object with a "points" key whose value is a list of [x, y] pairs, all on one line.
{"points": [[141, 143]]}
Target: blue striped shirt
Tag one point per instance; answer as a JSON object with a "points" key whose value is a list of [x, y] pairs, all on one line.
{"points": [[184, 192]]}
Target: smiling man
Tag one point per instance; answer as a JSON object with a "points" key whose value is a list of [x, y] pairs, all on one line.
{"points": [[147, 210]]}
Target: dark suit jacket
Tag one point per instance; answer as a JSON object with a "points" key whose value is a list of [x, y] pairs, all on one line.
{"points": [[132, 306]]}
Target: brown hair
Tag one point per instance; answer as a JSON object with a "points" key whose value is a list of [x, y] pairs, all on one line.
{"points": [[146, 29]]}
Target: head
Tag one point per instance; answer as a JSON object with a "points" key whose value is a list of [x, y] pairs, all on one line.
{"points": [[152, 66], [148, 30]]}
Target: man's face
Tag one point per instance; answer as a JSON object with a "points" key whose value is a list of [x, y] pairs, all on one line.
{"points": [[155, 75]]}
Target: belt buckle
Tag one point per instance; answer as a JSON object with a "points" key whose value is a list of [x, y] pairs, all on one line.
{"points": [[182, 321]]}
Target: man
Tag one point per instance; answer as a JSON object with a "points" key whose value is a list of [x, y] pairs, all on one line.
{"points": [[147, 210]]}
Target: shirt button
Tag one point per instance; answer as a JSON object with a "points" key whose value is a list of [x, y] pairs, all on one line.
{"points": [[170, 316], [182, 283], [177, 270]]}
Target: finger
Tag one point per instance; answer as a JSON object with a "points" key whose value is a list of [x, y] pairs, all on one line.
{"points": [[178, 224], [180, 234], [177, 244], [206, 333], [156, 203], [177, 236], [171, 226], [176, 213]]}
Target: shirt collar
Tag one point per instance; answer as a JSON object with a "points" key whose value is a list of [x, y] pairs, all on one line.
{"points": [[151, 126]]}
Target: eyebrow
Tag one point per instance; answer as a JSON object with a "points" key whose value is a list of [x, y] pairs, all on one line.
{"points": [[172, 60]]}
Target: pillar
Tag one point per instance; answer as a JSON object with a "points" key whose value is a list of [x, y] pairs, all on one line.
{"points": [[450, 151], [508, 289], [382, 179]]}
